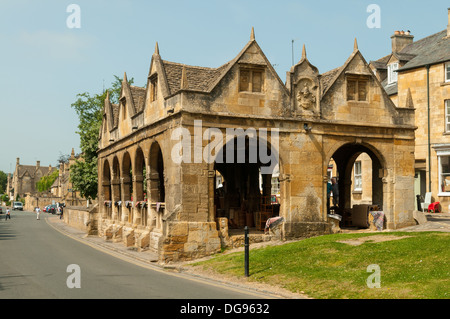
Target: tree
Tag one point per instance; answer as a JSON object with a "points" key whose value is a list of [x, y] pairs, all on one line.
{"points": [[3, 181], [83, 174], [46, 181]]}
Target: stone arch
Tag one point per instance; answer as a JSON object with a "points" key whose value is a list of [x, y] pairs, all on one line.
{"points": [[127, 187], [139, 186], [156, 184], [139, 174], [116, 188], [247, 181], [106, 188], [344, 155], [106, 182]]}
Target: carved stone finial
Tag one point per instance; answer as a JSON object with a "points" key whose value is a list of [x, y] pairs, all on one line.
{"points": [[355, 46], [304, 52], [156, 48], [184, 82], [252, 34], [409, 100]]}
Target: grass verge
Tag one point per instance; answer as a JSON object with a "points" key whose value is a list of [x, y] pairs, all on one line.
{"points": [[414, 265]]}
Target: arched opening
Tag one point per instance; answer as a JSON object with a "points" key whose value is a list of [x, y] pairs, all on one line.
{"points": [[157, 192], [140, 187], [127, 188], [106, 186], [244, 192], [355, 173], [116, 189]]}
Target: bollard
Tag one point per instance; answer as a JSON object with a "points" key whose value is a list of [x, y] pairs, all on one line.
{"points": [[246, 245]]}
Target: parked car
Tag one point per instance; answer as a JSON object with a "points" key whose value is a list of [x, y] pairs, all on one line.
{"points": [[52, 209], [18, 206], [1, 210], [45, 209]]}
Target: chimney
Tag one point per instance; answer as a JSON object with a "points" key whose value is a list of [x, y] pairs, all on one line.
{"points": [[448, 24], [17, 161], [38, 163], [401, 39]]}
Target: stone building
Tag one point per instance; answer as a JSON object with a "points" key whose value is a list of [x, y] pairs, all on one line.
{"points": [[24, 179], [161, 148], [63, 188], [417, 75]]}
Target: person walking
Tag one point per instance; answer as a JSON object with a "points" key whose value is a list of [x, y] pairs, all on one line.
{"points": [[38, 212], [61, 210], [329, 190], [8, 214], [335, 191]]}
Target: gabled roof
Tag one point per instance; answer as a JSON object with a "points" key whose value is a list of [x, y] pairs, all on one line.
{"points": [[31, 170], [200, 79], [328, 78], [135, 95]]}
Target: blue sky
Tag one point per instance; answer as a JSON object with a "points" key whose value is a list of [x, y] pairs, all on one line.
{"points": [[44, 64]]}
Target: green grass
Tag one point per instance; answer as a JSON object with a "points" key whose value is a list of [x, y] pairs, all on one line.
{"points": [[415, 267]]}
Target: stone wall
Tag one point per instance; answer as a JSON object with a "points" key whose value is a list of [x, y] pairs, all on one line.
{"points": [[82, 218], [40, 200]]}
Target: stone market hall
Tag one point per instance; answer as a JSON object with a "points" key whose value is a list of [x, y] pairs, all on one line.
{"points": [[172, 180]]}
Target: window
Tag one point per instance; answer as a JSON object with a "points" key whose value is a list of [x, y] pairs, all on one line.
{"points": [[392, 75], [153, 88], [357, 174], [357, 88], [444, 173], [447, 72], [447, 116], [251, 80]]}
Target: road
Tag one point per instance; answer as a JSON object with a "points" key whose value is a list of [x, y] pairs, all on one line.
{"points": [[34, 261]]}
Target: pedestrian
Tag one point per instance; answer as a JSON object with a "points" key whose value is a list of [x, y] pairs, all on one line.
{"points": [[38, 211], [61, 210], [8, 214], [329, 190], [335, 191]]}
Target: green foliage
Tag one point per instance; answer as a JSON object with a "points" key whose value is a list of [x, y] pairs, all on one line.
{"points": [[46, 182], [89, 109], [3, 181]]}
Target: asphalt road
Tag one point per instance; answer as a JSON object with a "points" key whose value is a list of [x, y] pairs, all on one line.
{"points": [[34, 261]]}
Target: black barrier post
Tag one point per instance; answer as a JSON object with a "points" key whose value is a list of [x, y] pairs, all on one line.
{"points": [[246, 251]]}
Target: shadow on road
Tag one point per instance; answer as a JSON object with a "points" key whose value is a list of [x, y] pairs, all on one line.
{"points": [[5, 229]]}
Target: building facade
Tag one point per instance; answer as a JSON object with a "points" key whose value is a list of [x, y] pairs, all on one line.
{"points": [[24, 179], [161, 148], [417, 75]]}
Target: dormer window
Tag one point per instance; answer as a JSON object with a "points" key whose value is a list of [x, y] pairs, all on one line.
{"points": [[153, 88], [251, 80], [357, 88], [392, 74]]}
